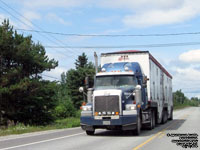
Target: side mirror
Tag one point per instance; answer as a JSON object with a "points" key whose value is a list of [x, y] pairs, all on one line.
{"points": [[81, 89], [145, 79]]}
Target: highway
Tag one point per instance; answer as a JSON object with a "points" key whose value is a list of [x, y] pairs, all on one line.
{"points": [[186, 121]]}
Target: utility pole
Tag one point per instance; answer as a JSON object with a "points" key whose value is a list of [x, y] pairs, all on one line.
{"points": [[96, 62]]}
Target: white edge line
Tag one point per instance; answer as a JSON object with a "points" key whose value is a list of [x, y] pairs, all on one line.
{"points": [[32, 134], [42, 141]]}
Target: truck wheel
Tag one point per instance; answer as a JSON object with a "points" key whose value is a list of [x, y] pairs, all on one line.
{"points": [[154, 119], [138, 127], [171, 115], [89, 132], [164, 117], [151, 125]]}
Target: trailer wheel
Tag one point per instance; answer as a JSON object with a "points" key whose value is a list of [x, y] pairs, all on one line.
{"points": [[154, 119], [164, 117], [171, 115], [90, 132]]}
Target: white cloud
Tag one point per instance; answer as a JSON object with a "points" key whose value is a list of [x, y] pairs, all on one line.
{"points": [[187, 75], [191, 56], [141, 4], [146, 13], [188, 80], [54, 18], [158, 16], [54, 74]]}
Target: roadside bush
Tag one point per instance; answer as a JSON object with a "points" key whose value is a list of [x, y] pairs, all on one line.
{"points": [[65, 109]]}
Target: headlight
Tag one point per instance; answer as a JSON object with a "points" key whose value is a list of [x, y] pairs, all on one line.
{"points": [[130, 107], [87, 108]]}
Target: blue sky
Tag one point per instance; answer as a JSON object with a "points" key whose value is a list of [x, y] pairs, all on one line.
{"points": [[115, 17]]}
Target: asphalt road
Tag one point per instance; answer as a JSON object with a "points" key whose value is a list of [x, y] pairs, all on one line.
{"points": [[186, 121]]}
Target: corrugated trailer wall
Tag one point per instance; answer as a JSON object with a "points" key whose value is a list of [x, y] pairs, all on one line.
{"points": [[160, 85]]}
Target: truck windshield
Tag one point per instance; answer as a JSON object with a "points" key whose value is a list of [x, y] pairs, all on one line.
{"points": [[103, 82]]}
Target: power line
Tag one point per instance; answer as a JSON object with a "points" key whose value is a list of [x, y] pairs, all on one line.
{"points": [[111, 35], [50, 77], [28, 26], [130, 46], [31, 23]]}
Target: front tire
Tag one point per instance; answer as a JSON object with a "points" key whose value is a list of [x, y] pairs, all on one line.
{"points": [[138, 127]]}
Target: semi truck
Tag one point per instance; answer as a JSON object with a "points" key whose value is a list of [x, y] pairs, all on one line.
{"points": [[131, 91]]}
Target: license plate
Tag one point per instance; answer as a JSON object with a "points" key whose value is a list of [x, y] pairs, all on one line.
{"points": [[106, 122]]}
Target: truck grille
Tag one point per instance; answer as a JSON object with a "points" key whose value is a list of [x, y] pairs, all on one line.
{"points": [[106, 103]]}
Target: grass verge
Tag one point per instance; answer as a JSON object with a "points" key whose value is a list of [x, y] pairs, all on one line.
{"points": [[181, 107], [58, 124]]}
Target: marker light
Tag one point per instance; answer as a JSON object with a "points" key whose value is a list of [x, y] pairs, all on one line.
{"points": [[96, 113], [126, 69], [117, 113], [103, 70]]}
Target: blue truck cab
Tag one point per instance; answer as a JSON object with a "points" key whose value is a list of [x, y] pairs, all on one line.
{"points": [[118, 99]]}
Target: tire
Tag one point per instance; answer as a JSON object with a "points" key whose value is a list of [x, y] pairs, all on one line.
{"points": [[154, 119], [151, 125], [171, 115], [164, 117], [138, 127], [90, 132]]}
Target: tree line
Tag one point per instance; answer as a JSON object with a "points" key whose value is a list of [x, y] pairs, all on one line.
{"points": [[180, 100], [25, 97]]}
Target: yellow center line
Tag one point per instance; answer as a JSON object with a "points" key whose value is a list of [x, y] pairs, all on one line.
{"points": [[157, 134], [161, 135]]}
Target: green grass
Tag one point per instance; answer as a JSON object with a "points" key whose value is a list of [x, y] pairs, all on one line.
{"points": [[181, 107], [58, 124]]}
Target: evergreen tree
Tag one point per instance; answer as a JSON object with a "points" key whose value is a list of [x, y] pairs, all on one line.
{"points": [[81, 62], [24, 96], [76, 78]]}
